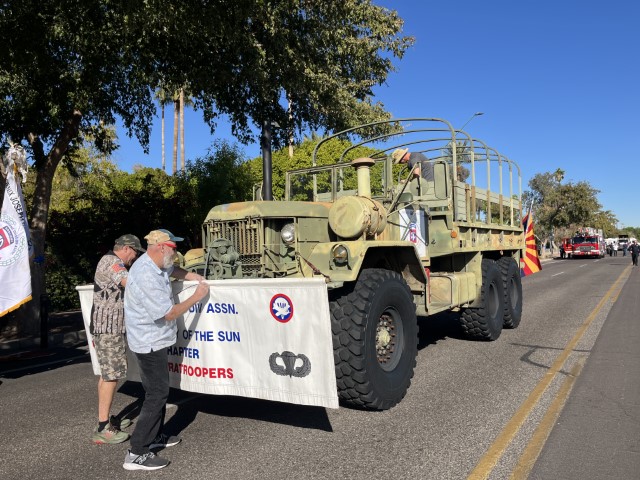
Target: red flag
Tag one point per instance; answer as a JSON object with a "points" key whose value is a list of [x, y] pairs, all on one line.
{"points": [[530, 263]]}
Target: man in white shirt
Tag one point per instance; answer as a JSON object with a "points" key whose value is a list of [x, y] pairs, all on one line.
{"points": [[150, 315]]}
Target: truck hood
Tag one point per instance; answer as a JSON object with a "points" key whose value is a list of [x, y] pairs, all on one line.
{"points": [[238, 210]]}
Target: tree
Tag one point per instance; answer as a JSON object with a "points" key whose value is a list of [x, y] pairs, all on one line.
{"points": [[606, 220], [329, 154], [181, 101], [182, 128], [163, 100], [70, 66], [106, 203], [176, 115], [219, 177], [565, 206]]}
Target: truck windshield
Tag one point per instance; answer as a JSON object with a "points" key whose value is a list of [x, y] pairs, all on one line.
{"points": [[585, 239]]}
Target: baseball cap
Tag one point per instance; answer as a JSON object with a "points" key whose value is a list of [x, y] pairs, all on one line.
{"points": [[161, 235], [398, 153], [129, 240]]}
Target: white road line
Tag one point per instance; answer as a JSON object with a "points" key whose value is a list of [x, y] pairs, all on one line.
{"points": [[556, 274]]}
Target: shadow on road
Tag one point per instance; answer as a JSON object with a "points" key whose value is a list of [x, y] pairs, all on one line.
{"points": [[532, 349], [191, 404], [35, 361], [439, 327]]}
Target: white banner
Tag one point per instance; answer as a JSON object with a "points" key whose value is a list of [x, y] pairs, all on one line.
{"points": [[15, 242], [268, 339], [413, 228]]}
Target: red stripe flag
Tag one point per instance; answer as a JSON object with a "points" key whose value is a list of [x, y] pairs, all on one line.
{"points": [[530, 263]]}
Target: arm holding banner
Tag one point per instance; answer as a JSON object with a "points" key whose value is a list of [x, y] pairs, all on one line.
{"points": [[181, 308]]}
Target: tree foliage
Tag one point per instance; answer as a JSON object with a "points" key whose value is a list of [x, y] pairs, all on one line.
{"points": [[219, 177], [565, 206], [330, 153]]}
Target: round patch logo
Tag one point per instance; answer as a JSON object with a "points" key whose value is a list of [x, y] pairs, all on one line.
{"points": [[12, 241], [281, 308]]}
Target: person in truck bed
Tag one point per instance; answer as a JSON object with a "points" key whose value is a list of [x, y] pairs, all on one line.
{"points": [[420, 164]]}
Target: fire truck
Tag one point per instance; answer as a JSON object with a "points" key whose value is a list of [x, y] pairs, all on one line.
{"points": [[588, 242]]}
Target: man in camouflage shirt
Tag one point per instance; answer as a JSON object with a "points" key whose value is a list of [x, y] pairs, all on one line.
{"points": [[108, 331]]}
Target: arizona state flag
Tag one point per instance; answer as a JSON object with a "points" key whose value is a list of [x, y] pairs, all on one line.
{"points": [[530, 263]]}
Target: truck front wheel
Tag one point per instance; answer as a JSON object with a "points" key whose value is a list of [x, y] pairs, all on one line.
{"points": [[485, 321], [375, 340]]}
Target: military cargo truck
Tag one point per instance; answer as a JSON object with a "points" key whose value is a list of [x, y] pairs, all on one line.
{"points": [[390, 244]]}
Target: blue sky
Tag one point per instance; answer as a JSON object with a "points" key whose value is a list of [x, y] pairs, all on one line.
{"points": [[558, 82]]}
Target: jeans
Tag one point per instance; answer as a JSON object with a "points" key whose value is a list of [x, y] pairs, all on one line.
{"points": [[154, 374]]}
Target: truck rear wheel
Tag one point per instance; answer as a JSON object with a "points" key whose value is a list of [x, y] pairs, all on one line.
{"points": [[485, 322], [512, 292], [375, 340]]}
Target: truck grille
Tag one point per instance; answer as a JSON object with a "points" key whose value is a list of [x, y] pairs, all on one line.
{"points": [[245, 235]]}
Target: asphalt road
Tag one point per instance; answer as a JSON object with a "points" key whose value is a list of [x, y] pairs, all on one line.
{"points": [[474, 409]]}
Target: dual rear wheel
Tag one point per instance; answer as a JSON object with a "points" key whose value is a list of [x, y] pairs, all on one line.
{"points": [[500, 303]]}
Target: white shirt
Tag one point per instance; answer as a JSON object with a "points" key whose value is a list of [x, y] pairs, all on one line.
{"points": [[147, 299]]}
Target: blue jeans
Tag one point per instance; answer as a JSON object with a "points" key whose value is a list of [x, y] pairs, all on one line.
{"points": [[154, 374]]}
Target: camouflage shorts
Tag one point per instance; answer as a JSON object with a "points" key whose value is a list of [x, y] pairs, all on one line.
{"points": [[111, 351]]}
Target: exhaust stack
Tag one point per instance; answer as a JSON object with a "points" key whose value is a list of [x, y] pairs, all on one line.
{"points": [[363, 166]]}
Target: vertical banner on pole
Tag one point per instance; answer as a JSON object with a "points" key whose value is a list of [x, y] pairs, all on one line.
{"points": [[15, 240]]}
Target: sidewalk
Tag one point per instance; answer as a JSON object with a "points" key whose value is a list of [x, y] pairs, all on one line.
{"points": [[64, 329], [597, 433]]}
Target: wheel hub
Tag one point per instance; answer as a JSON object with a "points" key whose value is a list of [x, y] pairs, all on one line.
{"points": [[385, 338]]}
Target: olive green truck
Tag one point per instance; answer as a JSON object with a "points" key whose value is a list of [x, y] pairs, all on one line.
{"points": [[393, 241]]}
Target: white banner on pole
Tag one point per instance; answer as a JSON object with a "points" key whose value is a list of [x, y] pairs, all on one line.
{"points": [[268, 339], [15, 242]]}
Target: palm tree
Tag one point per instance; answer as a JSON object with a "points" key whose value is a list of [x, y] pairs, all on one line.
{"points": [[182, 129], [176, 109], [161, 96], [181, 100]]}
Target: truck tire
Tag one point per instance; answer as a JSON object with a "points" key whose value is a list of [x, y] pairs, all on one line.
{"points": [[485, 322], [375, 340], [512, 292]]}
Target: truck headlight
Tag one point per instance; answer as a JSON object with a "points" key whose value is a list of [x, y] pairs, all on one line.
{"points": [[288, 233], [340, 254]]}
